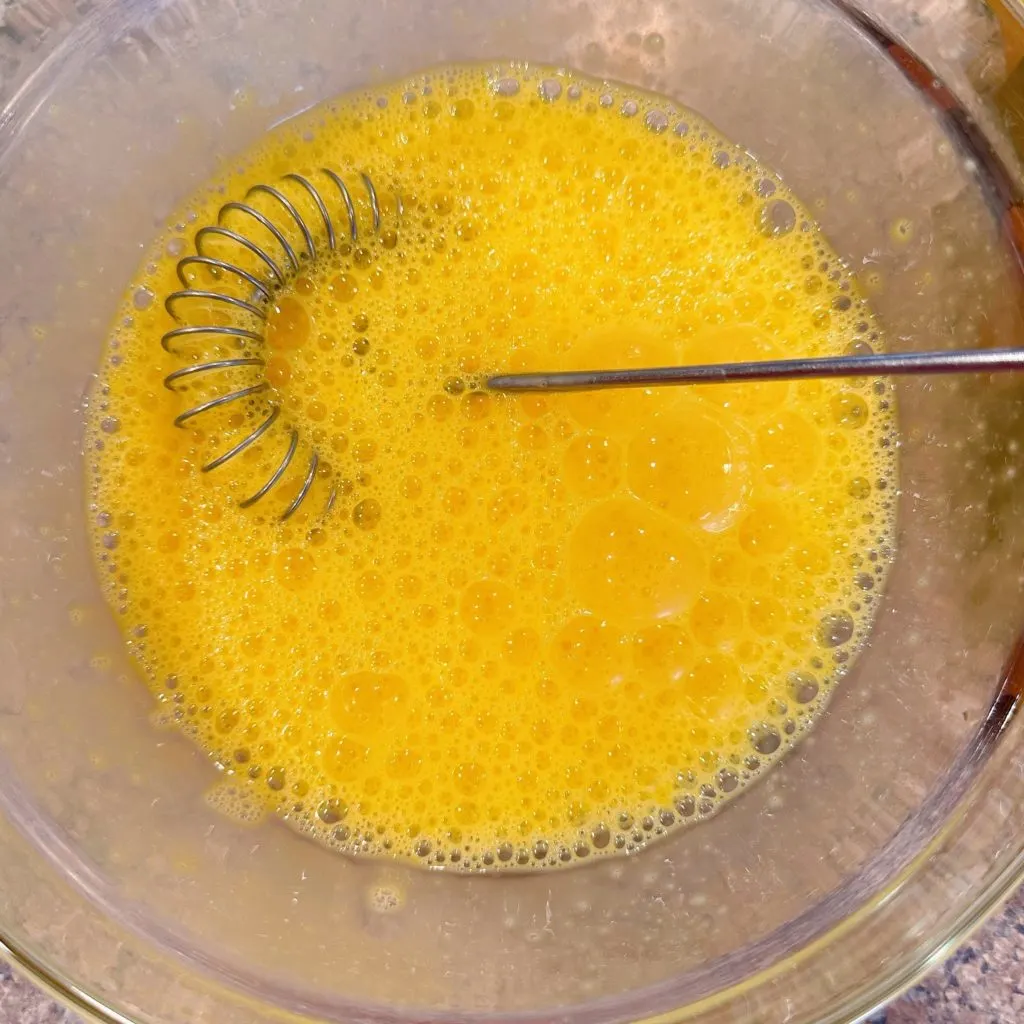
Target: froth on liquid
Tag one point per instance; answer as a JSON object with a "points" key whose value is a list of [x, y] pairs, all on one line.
{"points": [[532, 628]]}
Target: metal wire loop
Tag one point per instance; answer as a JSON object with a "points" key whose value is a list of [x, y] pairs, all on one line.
{"points": [[217, 364], [196, 293], [221, 267], [277, 474], [215, 403]]}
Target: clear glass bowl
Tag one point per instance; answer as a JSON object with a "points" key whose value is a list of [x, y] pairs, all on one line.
{"points": [[886, 836]]}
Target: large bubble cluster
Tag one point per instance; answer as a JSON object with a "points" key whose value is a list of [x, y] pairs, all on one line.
{"points": [[531, 629]]}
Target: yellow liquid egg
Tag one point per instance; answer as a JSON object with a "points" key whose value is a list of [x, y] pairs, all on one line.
{"points": [[497, 629]]}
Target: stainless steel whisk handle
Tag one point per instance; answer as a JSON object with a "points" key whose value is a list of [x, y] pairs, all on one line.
{"points": [[881, 364]]}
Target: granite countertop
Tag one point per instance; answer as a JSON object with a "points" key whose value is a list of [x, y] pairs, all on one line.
{"points": [[981, 984]]}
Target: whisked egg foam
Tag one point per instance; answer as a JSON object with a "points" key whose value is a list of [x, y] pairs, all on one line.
{"points": [[510, 630]]}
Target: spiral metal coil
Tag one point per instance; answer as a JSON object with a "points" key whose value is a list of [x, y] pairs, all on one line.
{"points": [[270, 246]]}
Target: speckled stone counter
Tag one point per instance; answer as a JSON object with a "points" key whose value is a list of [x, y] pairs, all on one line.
{"points": [[982, 984]]}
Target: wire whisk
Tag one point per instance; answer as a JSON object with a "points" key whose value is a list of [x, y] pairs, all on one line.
{"points": [[256, 248], [260, 244]]}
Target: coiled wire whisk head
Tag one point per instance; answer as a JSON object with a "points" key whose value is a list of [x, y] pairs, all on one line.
{"points": [[256, 248]]}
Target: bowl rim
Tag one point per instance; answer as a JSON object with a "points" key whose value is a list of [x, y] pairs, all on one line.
{"points": [[873, 992]]}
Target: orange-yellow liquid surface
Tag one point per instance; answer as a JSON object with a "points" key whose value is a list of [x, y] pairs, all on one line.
{"points": [[528, 629]]}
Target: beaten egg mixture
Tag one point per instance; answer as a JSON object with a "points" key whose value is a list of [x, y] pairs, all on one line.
{"points": [[499, 629]]}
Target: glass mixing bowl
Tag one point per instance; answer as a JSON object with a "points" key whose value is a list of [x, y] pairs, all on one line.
{"points": [[884, 837]]}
